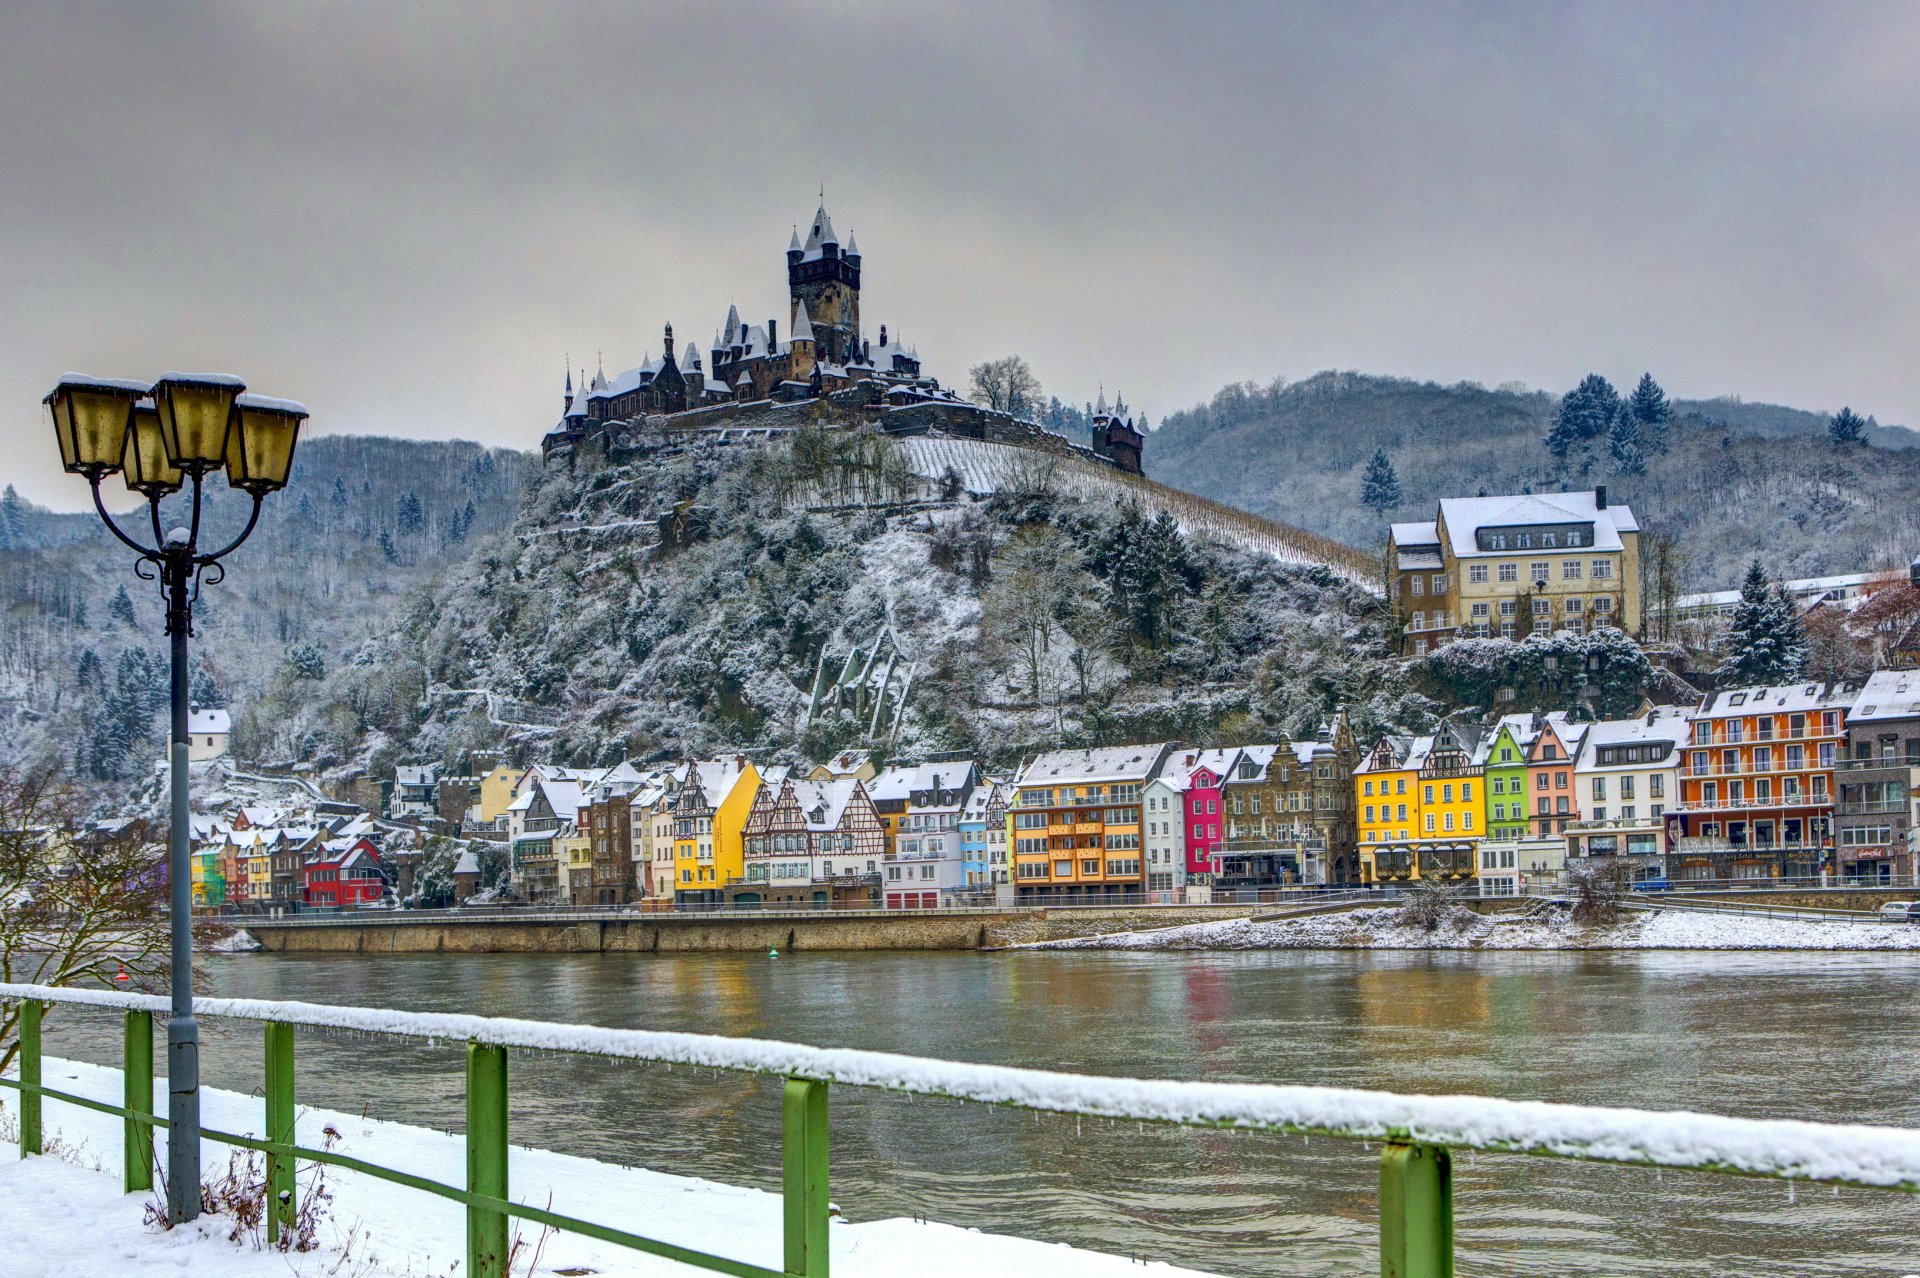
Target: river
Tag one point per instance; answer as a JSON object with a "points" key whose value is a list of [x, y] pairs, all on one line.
{"points": [[1757, 1034]]}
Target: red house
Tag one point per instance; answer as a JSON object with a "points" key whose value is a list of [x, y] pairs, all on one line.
{"points": [[345, 873], [1203, 814]]}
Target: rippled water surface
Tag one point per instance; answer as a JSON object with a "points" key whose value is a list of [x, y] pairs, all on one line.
{"points": [[1766, 1035]]}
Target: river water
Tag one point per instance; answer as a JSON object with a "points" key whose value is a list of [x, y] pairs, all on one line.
{"points": [[1763, 1035]]}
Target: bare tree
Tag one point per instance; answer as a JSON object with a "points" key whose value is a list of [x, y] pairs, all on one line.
{"points": [[1432, 904], [1598, 888], [1006, 385], [79, 903]]}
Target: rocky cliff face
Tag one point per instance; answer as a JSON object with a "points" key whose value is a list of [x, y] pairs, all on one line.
{"points": [[796, 591]]}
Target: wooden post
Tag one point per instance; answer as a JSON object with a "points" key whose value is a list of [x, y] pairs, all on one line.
{"points": [[803, 1127], [1416, 1212], [486, 1158], [281, 1184], [30, 1013], [136, 1078]]}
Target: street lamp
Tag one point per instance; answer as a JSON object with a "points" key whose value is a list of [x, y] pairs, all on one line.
{"points": [[159, 438]]}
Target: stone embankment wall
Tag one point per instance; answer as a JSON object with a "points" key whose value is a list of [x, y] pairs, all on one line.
{"points": [[684, 934]]}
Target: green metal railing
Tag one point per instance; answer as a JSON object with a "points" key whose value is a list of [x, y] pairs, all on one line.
{"points": [[1416, 1176]]}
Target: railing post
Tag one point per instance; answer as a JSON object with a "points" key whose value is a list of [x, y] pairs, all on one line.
{"points": [[136, 1079], [486, 1158], [803, 1200], [281, 1185], [30, 1012], [1416, 1212]]}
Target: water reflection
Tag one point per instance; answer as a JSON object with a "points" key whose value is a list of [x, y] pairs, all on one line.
{"points": [[1760, 1034]]}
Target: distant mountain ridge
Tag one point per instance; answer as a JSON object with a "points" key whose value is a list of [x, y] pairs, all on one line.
{"points": [[1739, 481]]}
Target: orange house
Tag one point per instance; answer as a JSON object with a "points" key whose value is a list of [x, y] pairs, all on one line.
{"points": [[1756, 782], [1552, 800]]}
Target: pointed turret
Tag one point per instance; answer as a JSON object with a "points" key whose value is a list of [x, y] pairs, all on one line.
{"points": [[731, 334], [853, 246], [794, 248], [1100, 405], [802, 327]]}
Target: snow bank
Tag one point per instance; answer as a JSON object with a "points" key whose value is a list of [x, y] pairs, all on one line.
{"points": [[1380, 929], [92, 1229], [1881, 1156]]}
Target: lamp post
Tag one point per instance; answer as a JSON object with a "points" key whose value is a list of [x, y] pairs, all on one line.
{"points": [[160, 438]]}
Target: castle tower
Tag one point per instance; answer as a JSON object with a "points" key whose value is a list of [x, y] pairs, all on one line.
{"points": [[825, 282]]}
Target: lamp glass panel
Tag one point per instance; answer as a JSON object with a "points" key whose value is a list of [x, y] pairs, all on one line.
{"points": [[147, 469], [99, 425], [194, 419], [260, 450], [58, 413]]}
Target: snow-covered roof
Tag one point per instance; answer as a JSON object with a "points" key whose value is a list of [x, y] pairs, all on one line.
{"points": [[410, 774], [822, 233], [1805, 589], [1662, 726], [1887, 694], [1415, 534], [1108, 763], [1464, 516], [824, 802], [1180, 765], [212, 721], [853, 246], [467, 864], [1731, 703], [802, 327]]}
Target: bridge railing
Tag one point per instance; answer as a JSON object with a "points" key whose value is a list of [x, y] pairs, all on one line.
{"points": [[1419, 1132]]}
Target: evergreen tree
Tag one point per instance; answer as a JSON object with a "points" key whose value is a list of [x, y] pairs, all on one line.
{"points": [[305, 661], [1764, 642], [1380, 486], [387, 547], [1653, 412], [409, 513], [13, 524], [88, 674], [1624, 443], [338, 497], [203, 689], [1584, 415], [1846, 427], [121, 608]]}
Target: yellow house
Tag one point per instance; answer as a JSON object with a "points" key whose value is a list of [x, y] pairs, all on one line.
{"points": [[575, 854], [1422, 807], [497, 790], [709, 821]]}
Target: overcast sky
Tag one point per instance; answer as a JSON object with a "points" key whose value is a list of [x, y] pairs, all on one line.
{"points": [[409, 215]]}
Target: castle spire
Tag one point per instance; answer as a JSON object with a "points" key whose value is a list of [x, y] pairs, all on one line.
{"points": [[802, 327], [1100, 406]]}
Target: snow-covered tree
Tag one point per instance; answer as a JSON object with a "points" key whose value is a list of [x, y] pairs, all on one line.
{"points": [[1846, 427], [1583, 415], [1764, 643], [1379, 485], [1624, 445], [1653, 412], [121, 608], [409, 514]]}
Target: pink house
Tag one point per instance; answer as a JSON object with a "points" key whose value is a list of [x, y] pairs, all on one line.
{"points": [[1203, 822]]}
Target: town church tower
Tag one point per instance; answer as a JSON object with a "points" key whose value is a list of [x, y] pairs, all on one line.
{"points": [[823, 277]]}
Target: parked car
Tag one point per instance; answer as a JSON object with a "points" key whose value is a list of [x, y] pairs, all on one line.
{"points": [[1900, 912]]}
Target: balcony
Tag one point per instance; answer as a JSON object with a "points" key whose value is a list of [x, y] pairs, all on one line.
{"points": [[1750, 803], [1754, 769], [1714, 845], [1808, 733], [1618, 823], [1872, 807]]}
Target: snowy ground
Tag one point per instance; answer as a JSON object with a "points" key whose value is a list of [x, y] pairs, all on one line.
{"points": [[69, 1218], [1380, 929]]}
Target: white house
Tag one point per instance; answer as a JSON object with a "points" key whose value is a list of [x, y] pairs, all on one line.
{"points": [[208, 733]]}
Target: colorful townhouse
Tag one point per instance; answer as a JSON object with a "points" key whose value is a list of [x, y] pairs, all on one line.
{"points": [[812, 843], [344, 874], [540, 817], [1756, 782], [983, 837], [1503, 757], [709, 822], [1289, 812], [1163, 837], [497, 790], [650, 832], [1077, 822], [927, 865], [1201, 775], [1877, 778], [1553, 802], [1627, 775], [1421, 807]]}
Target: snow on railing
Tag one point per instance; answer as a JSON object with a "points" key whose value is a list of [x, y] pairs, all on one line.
{"points": [[1877, 1157]]}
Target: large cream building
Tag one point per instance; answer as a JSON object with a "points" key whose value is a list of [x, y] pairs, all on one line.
{"points": [[1491, 567]]}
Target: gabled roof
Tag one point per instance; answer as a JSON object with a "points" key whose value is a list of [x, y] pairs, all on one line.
{"points": [[1888, 694], [1108, 763], [1464, 516], [211, 721], [1731, 703]]}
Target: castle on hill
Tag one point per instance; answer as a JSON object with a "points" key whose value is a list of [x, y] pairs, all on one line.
{"points": [[825, 352]]}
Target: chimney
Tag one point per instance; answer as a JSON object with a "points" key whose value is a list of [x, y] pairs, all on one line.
{"points": [[773, 344], [883, 335], [1600, 497]]}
